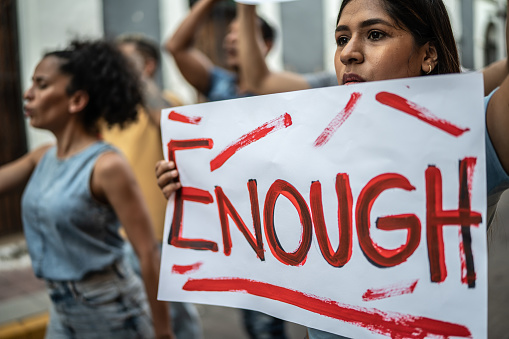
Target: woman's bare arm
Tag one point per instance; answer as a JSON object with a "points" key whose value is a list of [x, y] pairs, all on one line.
{"points": [[114, 181], [254, 72], [16, 173]]}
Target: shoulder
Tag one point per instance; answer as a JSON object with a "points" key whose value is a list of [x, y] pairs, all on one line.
{"points": [[36, 155], [111, 176], [110, 164], [487, 98]]}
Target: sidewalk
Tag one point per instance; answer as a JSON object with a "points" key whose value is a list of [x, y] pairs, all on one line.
{"points": [[23, 298]]}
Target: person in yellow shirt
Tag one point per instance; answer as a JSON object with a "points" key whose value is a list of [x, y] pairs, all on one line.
{"points": [[140, 142]]}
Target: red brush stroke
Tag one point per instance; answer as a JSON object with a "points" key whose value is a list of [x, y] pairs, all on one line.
{"points": [[394, 325], [281, 187], [338, 120], [410, 222], [468, 275], [182, 118], [437, 218], [183, 269], [421, 113], [388, 292], [279, 123]]}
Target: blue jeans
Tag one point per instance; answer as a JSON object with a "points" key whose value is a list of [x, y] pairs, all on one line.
{"points": [[263, 326], [185, 319], [108, 304]]}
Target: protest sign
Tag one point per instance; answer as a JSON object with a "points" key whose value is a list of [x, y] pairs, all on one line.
{"points": [[358, 210]]}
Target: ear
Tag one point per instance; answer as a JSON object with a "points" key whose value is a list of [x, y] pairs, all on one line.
{"points": [[269, 44], [78, 101], [430, 58], [150, 67]]}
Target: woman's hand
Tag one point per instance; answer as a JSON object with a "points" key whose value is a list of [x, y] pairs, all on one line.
{"points": [[167, 177]]}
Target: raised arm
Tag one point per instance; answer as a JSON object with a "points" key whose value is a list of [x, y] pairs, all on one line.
{"points": [[114, 181], [254, 72], [16, 173], [193, 64], [495, 73]]}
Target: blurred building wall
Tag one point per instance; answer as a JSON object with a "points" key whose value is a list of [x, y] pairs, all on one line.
{"points": [[45, 25]]}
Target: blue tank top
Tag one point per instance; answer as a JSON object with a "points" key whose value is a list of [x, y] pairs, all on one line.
{"points": [[68, 232]]}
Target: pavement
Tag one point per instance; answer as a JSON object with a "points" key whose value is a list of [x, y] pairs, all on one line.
{"points": [[24, 302]]}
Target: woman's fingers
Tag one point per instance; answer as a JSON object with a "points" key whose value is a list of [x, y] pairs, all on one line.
{"points": [[167, 177]]}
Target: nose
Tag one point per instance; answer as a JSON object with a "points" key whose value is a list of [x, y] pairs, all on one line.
{"points": [[230, 39], [352, 52], [29, 93]]}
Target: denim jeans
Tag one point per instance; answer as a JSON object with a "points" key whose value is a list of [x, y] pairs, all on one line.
{"points": [[109, 304]]}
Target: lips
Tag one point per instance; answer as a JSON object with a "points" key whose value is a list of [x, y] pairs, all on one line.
{"points": [[352, 78], [28, 111]]}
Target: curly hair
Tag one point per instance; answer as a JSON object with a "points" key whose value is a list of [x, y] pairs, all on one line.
{"points": [[99, 68]]}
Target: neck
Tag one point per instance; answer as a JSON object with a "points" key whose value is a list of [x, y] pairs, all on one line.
{"points": [[72, 139]]}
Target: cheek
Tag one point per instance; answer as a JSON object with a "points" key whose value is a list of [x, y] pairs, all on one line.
{"points": [[53, 103], [391, 64], [338, 65]]}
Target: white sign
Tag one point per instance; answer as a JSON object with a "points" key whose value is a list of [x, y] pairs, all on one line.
{"points": [[358, 210]]}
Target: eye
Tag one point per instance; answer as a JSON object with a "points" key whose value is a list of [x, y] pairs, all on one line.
{"points": [[40, 83], [342, 40], [376, 35]]}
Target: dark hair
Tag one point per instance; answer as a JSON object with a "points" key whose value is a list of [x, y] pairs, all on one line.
{"points": [[268, 32], [427, 21], [147, 47], [100, 69]]}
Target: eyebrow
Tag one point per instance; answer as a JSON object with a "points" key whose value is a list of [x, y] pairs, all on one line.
{"points": [[39, 78], [364, 24]]}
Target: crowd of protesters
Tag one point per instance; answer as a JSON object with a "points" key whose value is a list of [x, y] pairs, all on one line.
{"points": [[92, 207]]}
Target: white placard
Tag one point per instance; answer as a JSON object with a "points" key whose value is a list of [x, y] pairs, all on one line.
{"points": [[336, 208]]}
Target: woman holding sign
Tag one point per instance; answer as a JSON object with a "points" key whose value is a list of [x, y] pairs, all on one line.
{"points": [[403, 39], [389, 39], [77, 194]]}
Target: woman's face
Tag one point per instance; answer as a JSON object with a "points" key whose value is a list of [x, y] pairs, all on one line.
{"points": [[47, 101], [371, 47]]}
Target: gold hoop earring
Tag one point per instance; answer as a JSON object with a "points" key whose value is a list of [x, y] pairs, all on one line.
{"points": [[430, 69]]}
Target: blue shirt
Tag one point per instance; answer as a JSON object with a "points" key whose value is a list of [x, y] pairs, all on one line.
{"points": [[68, 232], [223, 86], [497, 178]]}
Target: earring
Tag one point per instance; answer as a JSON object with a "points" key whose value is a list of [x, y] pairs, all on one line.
{"points": [[430, 69]]}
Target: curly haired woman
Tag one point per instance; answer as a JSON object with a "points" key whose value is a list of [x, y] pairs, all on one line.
{"points": [[77, 194]]}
